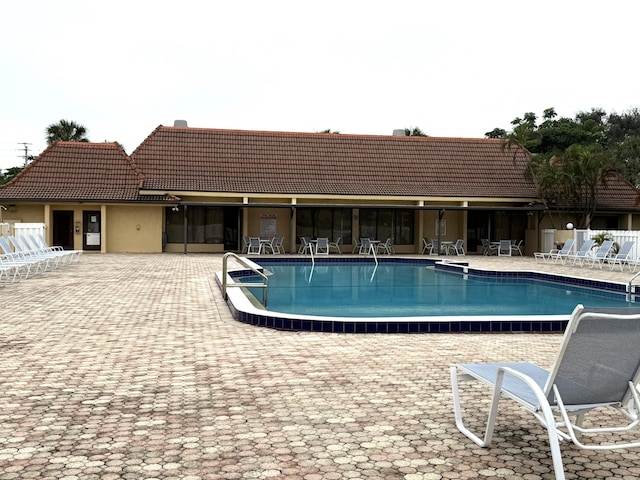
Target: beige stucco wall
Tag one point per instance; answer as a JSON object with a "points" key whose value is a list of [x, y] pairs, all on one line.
{"points": [[134, 229]]}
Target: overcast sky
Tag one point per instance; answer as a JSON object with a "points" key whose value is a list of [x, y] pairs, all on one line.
{"points": [[452, 68]]}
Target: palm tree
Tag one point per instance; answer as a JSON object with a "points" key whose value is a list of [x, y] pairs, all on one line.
{"points": [[67, 131]]}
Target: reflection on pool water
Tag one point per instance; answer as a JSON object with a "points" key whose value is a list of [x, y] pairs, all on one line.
{"points": [[402, 295], [411, 290]]}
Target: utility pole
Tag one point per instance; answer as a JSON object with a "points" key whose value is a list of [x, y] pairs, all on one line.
{"points": [[26, 152]]}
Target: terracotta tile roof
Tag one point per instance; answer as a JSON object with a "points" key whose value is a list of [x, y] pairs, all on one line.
{"points": [[77, 171], [211, 160], [617, 194]]}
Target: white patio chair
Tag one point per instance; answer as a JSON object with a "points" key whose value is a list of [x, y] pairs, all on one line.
{"points": [[322, 246], [515, 247], [336, 245], [623, 256], [356, 245], [598, 365], [427, 246], [245, 244], [457, 248], [255, 247], [386, 247], [279, 246], [305, 246], [365, 246], [504, 248]]}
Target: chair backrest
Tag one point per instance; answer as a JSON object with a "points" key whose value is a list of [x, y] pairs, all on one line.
{"points": [[4, 244], [459, 244], [505, 245], [585, 248], [323, 243], [254, 242], [604, 249], [598, 357], [566, 248], [625, 250]]}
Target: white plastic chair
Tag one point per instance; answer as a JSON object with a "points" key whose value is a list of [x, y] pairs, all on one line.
{"points": [[255, 247], [515, 247], [504, 248], [322, 246], [336, 245], [457, 248], [386, 247], [598, 366]]}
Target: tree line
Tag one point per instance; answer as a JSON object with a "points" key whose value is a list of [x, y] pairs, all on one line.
{"points": [[572, 157]]}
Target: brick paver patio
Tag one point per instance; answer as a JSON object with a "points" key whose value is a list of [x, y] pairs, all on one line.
{"points": [[131, 367]]}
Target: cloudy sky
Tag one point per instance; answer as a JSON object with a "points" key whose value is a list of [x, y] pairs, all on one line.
{"points": [[460, 69]]}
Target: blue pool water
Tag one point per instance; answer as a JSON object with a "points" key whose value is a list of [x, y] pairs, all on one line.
{"points": [[350, 290]]}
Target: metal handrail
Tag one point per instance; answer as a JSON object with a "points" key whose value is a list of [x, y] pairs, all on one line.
{"points": [[629, 285], [250, 266]]}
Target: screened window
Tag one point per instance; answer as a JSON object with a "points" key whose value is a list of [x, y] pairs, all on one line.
{"points": [[384, 223]]}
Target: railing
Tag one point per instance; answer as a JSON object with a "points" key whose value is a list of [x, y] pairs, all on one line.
{"points": [[265, 280], [630, 284]]}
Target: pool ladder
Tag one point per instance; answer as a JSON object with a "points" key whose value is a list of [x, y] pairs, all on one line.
{"points": [[630, 291], [250, 265]]}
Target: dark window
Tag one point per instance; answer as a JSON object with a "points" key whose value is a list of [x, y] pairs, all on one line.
{"points": [[332, 223], [204, 225], [382, 223]]}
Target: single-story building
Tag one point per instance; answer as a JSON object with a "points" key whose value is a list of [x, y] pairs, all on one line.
{"points": [[201, 190]]}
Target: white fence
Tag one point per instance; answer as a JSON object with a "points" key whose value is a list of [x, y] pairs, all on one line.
{"points": [[618, 236], [29, 229]]}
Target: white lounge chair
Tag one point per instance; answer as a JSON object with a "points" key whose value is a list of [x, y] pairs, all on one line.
{"points": [[556, 254], [601, 255], [580, 255], [598, 366], [623, 256]]}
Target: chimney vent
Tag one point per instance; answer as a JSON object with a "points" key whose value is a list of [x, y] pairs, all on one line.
{"points": [[180, 123], [399, 132]]}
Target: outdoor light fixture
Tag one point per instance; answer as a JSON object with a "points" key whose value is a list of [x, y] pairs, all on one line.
{"points": [[569, 226]]}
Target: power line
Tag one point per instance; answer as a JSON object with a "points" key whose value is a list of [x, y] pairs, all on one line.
{"points": [[25, 156]]}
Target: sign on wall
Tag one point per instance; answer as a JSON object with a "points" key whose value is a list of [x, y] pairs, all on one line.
{"points": [[268, 225]]}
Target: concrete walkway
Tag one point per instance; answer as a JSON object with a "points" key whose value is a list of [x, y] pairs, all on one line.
{"points": [[131, 367]]}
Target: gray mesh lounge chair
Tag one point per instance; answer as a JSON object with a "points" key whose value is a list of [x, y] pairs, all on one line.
{"points": [[598, 366], [580, 255], [601, 255], [623, 256], [555, 254]]}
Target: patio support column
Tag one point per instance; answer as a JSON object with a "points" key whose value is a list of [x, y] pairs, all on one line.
{"points": [[292, 226]]}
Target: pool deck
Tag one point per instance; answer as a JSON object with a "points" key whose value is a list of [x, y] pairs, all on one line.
{"points": [[131, 367]]}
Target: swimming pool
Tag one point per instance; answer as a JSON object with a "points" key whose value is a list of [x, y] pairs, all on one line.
{"points": [[404, 295]]}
